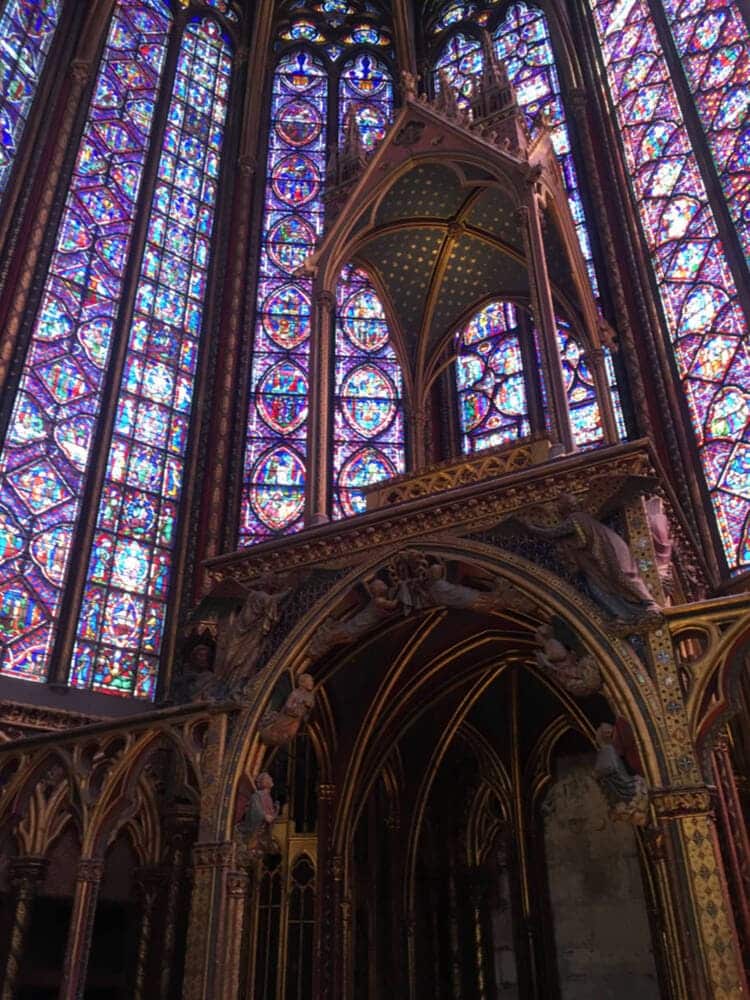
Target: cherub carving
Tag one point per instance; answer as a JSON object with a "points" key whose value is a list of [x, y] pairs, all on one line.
{"points": [[261, 813], [577, 674], [332, 633], [603, 558], [626, 794], [276, 728]]}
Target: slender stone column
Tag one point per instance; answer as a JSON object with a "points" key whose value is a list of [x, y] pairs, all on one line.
{"points": [[26, 875], [75, 966], [149, 884], [544, 316], [183, 829], [238, 886], [595, 361], [324, 904], [207, 939], [735, 836]]}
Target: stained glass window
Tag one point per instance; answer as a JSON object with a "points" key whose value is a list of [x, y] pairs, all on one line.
{"points": [[461, 61], [274, 476], [26, 30], [368, 434], [522, 42], [712, 41], [48, 446], [125, 598], [708, 330], [366, 84], [585, 418], [490, 379]]}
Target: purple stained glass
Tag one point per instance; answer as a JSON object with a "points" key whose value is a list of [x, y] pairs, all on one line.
{"points": [[365, 84], [124, 602], [274, 472], [522, 41], [583, 407], [26, 31], [45, 459], [713, 43], [368, 421], [490, 380], [461, 60], [706, 324]]}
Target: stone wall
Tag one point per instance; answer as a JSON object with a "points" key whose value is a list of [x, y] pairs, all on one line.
{"points": [[602, 933]]}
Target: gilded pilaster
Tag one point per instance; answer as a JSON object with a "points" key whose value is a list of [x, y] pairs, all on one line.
{"points": [[207, 940], [26, 874], [75, 966]]}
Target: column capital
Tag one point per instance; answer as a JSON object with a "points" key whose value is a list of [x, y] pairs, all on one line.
{"points": [[27, 869], [218, 855], [325, 300], [90, 870], [80, 71]]}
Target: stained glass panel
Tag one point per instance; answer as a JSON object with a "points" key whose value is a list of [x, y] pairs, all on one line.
{"points": [[274, 473], [368, 422], [489, 379], [125, 598], [26, 30], [585, 418], [713, 43], [366, 85], [461, 60], [708, 330], [522, 41], [46, 453]]}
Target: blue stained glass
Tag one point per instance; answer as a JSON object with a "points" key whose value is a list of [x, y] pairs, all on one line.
{"points": [[368, 436], [275, 452], [132, 551], [365, 85], [42, 480], [26, 32], [489, 377]]}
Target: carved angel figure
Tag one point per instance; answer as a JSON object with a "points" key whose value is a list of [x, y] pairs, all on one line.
{"points": [[247, 628], [260, 815], [577, 674], [334, 633], [661, 536], [276, 728], [458, 595], [626, 794], [409, 85], [603, 558]]}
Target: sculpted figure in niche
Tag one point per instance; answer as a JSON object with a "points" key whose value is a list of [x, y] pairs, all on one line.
{"points": [[626, 793], [603, 558], [261, 813], [661, 536], [332, 633], [276, 728], [247, 629], [577, 674]]}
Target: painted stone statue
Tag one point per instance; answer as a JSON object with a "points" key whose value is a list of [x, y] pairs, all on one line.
{"points": [[626, 794], [246, 631], [277, 728], [603, 558], [261, 813], [578, 675]]}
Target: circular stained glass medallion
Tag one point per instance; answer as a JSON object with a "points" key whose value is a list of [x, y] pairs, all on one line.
{"points": [[372, 124], [298, 122], [278, 491], [368, 400], [282, 398], [474, 408], [286, 316], [290, 241], [364, 467], [295, 180], [364, 320]]}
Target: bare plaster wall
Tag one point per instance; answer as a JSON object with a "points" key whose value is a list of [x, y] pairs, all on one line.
{"points": [[602, 933]]}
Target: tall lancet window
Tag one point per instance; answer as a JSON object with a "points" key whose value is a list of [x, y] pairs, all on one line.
{"points": [[104, 380], [339, 74], [26, 31], [698, 291], [125, 599], [368, 421]]}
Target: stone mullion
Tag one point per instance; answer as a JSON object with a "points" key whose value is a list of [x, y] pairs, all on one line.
{"points": [[218, 524], [403, 36], [594, 357], [13, 311], [640, 411], [320, 419], [26, 875], [534, 401], [75, 965]]}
